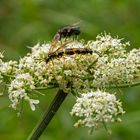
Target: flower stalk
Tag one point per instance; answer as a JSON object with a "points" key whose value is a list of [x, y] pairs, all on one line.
{"points": [[48, 115], [126, 85]]}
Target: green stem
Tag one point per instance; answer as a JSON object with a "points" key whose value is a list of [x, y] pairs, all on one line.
{"points": [[7, 75], [44, 88], [48, 115], [124, 85], [107, 86]]}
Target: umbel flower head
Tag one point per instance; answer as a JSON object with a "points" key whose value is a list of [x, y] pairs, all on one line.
{"points": [[108, 64], [94, 108]]}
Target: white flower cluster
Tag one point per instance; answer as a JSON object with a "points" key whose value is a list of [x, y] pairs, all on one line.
{"points": [[18, 90], [96, 107], [31, 72], [6, 68], [109, 46], [109, 63], [133, 62], [114, 65]]}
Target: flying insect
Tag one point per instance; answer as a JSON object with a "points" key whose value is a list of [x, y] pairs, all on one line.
{"points": [[64, 32], [67, 31]]}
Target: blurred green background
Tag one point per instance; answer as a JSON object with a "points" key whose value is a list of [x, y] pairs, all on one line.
{"points": [[23, 23]]}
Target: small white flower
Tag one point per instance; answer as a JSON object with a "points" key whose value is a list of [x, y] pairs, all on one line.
{"points": [[75, 44], [32, 102]]}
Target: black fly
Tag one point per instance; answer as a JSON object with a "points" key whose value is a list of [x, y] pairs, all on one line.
{"points": [[67, 31]]}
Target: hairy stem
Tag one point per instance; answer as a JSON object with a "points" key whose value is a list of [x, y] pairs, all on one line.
{"points": [[48, 115]]}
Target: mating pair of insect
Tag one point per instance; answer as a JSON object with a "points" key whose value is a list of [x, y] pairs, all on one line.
{"points": [[65, 32]]}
